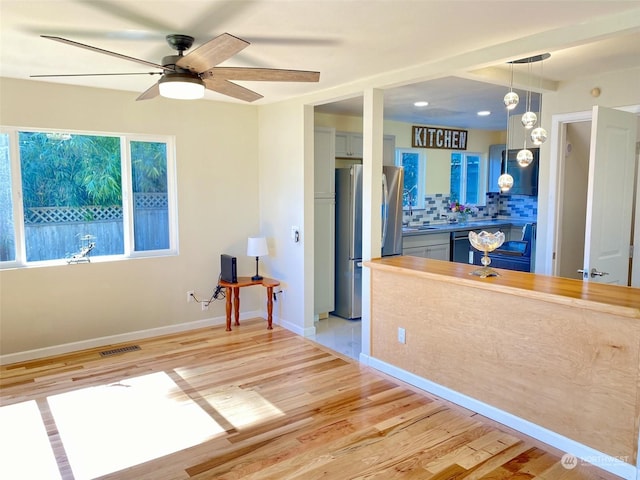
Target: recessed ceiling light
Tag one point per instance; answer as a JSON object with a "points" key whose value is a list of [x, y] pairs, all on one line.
{"points": [[421, 104], [484, 113]]}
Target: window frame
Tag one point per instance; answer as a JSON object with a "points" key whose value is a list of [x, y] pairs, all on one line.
{"points": [[422, 180], [482, 177], [126, 139]]}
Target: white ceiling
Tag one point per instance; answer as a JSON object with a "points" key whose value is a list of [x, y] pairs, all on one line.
{"points": [[415, 49]]}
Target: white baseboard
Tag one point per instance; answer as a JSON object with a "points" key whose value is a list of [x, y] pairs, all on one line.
{"points": [[120, 338], [578, 450], [303, 332]]}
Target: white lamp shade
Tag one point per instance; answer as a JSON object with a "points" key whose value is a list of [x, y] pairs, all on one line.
{"points": [[181, 86], [257, 247]]}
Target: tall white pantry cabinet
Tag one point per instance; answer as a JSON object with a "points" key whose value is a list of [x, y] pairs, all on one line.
{"points": [[324, 220], [330, 144]]}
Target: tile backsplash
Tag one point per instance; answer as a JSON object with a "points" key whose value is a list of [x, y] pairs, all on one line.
{"points": [[517, 207]]}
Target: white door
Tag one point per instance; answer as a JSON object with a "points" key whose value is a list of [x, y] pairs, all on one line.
{"points": [[610, 196]]}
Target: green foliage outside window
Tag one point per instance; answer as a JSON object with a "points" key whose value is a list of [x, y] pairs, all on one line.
{"points": [[82, 170]]}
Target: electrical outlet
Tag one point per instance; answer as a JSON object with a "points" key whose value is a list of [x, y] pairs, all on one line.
{"points": [[279, 294], [402, 335], [205, 306], [190, 297]]}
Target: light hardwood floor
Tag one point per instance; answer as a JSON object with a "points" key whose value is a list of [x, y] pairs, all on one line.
{"points": [[249, 404]]}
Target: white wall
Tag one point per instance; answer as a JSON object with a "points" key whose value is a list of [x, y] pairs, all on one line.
{"points": [[618, 89], [218, 208], [286, 200]]}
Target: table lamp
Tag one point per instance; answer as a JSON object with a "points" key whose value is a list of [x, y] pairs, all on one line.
{"points": [[257, 247]]}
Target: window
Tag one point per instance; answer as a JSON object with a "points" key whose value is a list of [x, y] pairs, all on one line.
{"points": [[467, 174], [63, 191], [7, 230], [413, 160]]}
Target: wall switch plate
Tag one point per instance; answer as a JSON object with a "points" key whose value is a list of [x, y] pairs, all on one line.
{"points": [[402, 335], [190, 298]]}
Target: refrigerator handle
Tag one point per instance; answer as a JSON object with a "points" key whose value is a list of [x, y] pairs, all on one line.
{"points": [[385, 208]]}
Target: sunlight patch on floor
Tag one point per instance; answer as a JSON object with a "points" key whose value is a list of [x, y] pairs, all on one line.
{"points": [[242, 408], [111, 427], [25, 447]]}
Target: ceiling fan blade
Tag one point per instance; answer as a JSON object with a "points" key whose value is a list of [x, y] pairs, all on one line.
{"points": [[230, 89], [93, 74], [151, 92], [106, 52], [212, 53], [263, 74]]}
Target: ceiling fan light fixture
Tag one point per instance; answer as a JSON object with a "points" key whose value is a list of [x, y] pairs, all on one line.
{"points": [[181, 86]]}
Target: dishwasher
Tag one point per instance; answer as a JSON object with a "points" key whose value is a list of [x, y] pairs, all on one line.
{"points": [[461, 249]]}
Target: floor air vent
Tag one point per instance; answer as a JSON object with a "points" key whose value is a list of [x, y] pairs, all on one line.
{"points": [[116, 351]]}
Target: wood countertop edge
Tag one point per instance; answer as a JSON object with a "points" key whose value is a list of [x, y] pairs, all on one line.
{"points": [[460, 276]]}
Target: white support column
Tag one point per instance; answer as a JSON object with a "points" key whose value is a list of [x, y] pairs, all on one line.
{"points": [[373, 126]]}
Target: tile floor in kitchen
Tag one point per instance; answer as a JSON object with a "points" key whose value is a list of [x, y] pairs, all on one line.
{"points": [[343, 336]]}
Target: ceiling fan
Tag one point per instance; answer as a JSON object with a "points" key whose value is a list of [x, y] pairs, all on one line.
{"points": [[187, 76]]}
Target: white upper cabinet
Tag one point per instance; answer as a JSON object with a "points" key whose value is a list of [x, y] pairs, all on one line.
{"points": [[324, 160], [389, 150], [348, 145]]}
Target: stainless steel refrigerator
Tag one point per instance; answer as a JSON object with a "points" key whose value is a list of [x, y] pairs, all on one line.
{"points": [[348, 253]]}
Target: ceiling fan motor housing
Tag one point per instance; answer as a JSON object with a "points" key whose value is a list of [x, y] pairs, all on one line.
{"points": [[169, 62], [179, 42]]}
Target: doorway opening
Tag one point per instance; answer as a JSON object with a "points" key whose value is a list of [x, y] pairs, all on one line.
{"points": [[573, 215]]}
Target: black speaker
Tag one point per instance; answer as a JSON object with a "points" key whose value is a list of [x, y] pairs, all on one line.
{"points": [[228, 268]]}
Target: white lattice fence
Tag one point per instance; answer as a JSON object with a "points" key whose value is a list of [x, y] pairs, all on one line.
{"points": [[72, 214], [54, 232], [150, 200], [92, 213]]}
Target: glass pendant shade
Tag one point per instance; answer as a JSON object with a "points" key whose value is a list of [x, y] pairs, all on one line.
{"points": [[524, 157], [538, 136], [511, 100], [505, 182], [529, 119]]}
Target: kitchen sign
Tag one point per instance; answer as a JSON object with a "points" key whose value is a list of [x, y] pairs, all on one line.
{"points": [[435, 137]]}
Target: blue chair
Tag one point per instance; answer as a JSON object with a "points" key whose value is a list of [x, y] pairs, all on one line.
{"points": [[514, 254]]}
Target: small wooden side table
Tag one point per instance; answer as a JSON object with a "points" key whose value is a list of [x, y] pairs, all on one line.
{"points": [[233, 292]]}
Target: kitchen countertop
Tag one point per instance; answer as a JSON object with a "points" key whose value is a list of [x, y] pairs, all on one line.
{"points": [[456, 227]]}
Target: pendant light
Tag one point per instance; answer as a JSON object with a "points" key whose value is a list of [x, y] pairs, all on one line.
{"points": [[539, 134], [505, 181], [529, 118], [511, 99], [524, 157]]}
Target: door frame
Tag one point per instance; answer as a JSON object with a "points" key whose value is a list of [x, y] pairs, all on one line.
{"points": [[556, 170]]}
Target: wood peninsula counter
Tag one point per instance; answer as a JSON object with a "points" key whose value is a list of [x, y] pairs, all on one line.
{"points": [[559, 353]]}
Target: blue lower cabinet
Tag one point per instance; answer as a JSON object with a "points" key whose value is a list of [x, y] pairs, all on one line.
{"points": [[509, 262]]}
